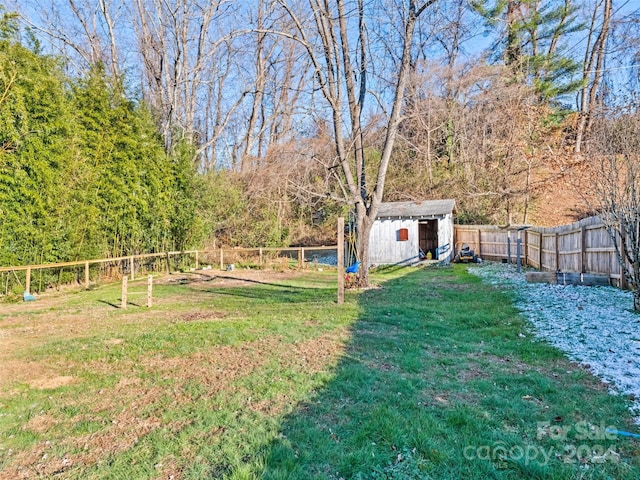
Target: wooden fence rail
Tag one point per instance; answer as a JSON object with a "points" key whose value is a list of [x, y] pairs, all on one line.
{"points": [[582, 247], [131, 264]]}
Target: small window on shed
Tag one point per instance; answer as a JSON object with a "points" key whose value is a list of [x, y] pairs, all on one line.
{"points": [[403, 234]]}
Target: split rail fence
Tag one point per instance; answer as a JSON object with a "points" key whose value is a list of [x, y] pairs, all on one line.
{"points": [[85, 272], [581, 247]]}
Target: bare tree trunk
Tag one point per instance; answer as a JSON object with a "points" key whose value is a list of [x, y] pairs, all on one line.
{"points": [[188, 59], [113, 48], [258, 95], [278, 80], [390, 137], [342, 71], [86, 32], [512, 54], [592, 72]]}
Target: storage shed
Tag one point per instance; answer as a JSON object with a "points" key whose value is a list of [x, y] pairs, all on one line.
{"points": [[404, 233]]}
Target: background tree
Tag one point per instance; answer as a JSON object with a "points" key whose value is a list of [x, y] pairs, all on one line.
{"points": [[486, 146], [189, 57], [593, 67], [293, 113], [615, 146], [84, 32], [280, 72], [83, 171], [343, 61], [533, 41], [35, 123]]}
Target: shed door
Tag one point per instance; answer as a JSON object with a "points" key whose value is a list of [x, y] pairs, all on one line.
{"points": [[428, 236]]}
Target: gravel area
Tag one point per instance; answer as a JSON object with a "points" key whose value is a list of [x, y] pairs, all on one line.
{"points": [[595, 326]]}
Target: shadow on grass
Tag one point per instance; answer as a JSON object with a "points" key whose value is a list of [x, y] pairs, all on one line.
{"points": [[259, 282], [440, 381], [277, 293], [111, 304], [201, 277], [119, 305]]}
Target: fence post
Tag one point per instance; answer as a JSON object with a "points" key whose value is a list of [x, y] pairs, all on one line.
{"points": [[261, 257], [300, 258], [27, 282], [479, 249], [557, 252], [540, 250], [197, 261], [168, 257], [132, 267], [583, 249], [150, 291], [518, 252], [221, 259], [124, 292], [340, 260], [86, 275], [526, 248]]}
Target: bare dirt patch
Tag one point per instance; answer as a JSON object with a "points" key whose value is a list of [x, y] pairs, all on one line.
{"points": [[48, 383], [35, 374], [232, 278], [386, 367], [134, 406], [314, 355], [472, 372], [272, 406], [40, 423], [37, 463], [27, 325], [200, 315]]}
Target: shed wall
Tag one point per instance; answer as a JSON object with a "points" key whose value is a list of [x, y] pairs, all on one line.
{"points": [[445, 237], [384, 247]]}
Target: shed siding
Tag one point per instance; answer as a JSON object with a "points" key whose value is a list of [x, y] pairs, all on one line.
{"points": [[384, 247], [445, 237]]}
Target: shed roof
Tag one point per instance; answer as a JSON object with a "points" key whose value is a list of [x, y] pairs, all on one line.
{"points": [[417, 209]]}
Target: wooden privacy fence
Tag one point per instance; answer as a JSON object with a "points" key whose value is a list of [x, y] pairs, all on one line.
{"points": [[582, 247], [86, 271]]}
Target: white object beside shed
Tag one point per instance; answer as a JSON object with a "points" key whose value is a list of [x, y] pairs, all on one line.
{"points": [[404, 231]]}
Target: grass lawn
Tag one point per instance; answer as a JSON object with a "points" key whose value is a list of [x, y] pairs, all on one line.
{"points": [[242, 376]]}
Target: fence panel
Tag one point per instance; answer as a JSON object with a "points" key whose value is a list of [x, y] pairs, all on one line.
{"points": [[16, 279], [492, 242], [469, 236], [582, 247], [533, 251], [570, 250]]}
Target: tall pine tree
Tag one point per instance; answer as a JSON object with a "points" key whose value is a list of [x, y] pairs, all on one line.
{"points": [[531, 40]]}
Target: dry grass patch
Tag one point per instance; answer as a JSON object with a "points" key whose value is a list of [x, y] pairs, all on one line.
{"points": [[133, 407], [201, 315], [40, 423], [50, 383], [89, 387]]}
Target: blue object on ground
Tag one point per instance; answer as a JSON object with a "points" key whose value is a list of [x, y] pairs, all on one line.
{"points": [[353, 268], [621, 432], [28, 297]]}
